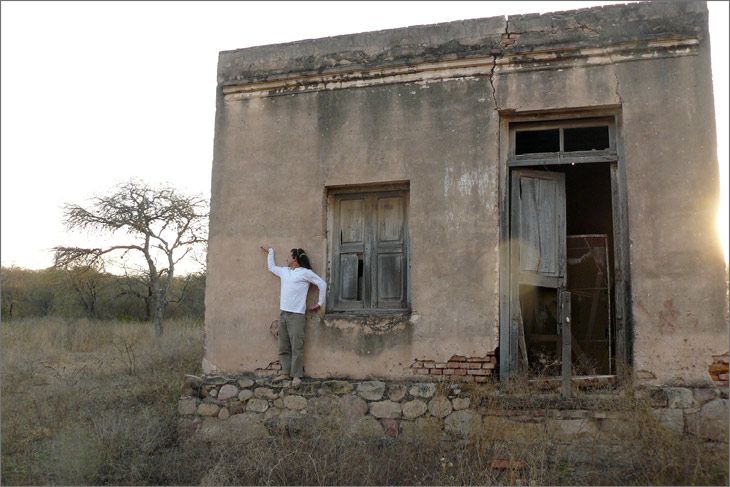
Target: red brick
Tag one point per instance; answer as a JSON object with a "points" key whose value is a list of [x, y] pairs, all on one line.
{"points": [[448, 371], [452, 365], [440, 366], [421, 371], [488, 366], [474, 365], [428, 365], [718, 368], [436, 371], [476, 359], [459, 371], [478, 372], [722, 377], [457, 358]]}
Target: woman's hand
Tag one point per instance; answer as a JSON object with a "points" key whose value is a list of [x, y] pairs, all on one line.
{"points": [[314, 308]]}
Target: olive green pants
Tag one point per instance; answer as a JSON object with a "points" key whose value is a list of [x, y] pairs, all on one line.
{"points": [[291, 343]]}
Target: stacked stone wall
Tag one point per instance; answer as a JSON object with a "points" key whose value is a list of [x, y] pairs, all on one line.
{"points": [[250, 406]]}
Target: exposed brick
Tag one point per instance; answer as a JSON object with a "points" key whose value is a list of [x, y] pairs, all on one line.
{"points": [[718, 368], [440, 366], [421, 371], [475, 359], [457, 358], [459, 371], [488, 366], [417, 365], [436, 371], [474, 365], [478, 372], [722, 377], [448, 371], [453, 365], [428, 365]]}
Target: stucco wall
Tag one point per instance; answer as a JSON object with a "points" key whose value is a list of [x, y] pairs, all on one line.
{"points": [[274, 191], [277, 152]]}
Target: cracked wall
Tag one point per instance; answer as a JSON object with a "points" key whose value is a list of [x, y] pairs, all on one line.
{"points": [[424, 104]]}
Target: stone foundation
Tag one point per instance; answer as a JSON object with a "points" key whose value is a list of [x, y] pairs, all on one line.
{"points": [[250, 406]]}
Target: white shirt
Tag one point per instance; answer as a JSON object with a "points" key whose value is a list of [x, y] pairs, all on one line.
{"points": [[294, 286]]}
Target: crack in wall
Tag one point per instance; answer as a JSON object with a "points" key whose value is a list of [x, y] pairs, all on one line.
{"points": [[618, 86], [495, 56]]}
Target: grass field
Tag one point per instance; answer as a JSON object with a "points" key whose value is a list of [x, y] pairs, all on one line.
{"points": [[90, 403]]}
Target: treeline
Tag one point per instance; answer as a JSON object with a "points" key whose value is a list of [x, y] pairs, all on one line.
{"points": [[86, 292]]}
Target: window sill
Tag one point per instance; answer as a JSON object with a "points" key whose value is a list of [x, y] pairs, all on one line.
{"points": [[372, 321], [355, 313]]}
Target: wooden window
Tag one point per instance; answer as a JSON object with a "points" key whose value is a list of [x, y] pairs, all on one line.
{"points": [[369, 258], [564, 141]]}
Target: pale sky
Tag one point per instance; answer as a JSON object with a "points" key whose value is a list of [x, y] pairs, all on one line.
{"points": [[96, 93]]}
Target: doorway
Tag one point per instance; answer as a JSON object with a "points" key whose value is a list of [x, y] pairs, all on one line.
{"points": [[562, 234], [564, 252]]}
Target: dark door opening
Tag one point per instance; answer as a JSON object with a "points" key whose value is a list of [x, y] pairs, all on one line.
{"points": [[562, 236]]}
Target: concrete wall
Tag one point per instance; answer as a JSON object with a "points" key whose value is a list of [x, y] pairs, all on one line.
{"points": [[272, 193], [423, 105]]}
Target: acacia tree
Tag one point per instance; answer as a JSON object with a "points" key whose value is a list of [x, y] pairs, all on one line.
{"points": [[164, 226], [86, 277]]}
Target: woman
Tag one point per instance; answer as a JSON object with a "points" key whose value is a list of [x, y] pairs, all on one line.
{"points": [[295, 281]]}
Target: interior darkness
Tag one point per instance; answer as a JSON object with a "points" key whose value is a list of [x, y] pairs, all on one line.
{"points": [[536, 141], [585, 138], [359, 277], [588, 211], [574, 139]]}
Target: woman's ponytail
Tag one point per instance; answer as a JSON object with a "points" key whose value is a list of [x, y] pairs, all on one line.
{"points": [[302, 258]]}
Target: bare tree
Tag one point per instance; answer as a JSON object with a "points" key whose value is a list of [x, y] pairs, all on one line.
{"points": [[164, 226], [86, 276]]}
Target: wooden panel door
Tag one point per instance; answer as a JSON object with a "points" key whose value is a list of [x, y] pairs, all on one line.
{"points": [[537, 242]]}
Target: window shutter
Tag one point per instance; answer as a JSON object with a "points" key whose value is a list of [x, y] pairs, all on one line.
{"points": [[350, 225], [390, 251]]}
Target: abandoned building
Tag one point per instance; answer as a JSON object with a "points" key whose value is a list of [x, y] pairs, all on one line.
{"points": [[475, 192]]}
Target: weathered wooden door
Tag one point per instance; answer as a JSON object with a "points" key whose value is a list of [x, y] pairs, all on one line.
{"points": [[537, 242]]}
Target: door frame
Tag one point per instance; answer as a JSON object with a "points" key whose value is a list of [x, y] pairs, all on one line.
{"points": [[619, 202]]}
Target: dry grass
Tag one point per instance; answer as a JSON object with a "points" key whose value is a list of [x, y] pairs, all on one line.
{"points": [[96, 403]]}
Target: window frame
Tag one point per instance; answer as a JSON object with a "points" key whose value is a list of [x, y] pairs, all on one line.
{"points": [[562, 157], [371, 192]]}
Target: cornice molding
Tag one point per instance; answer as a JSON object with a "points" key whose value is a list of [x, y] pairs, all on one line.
{"points": [[499, 62]]}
